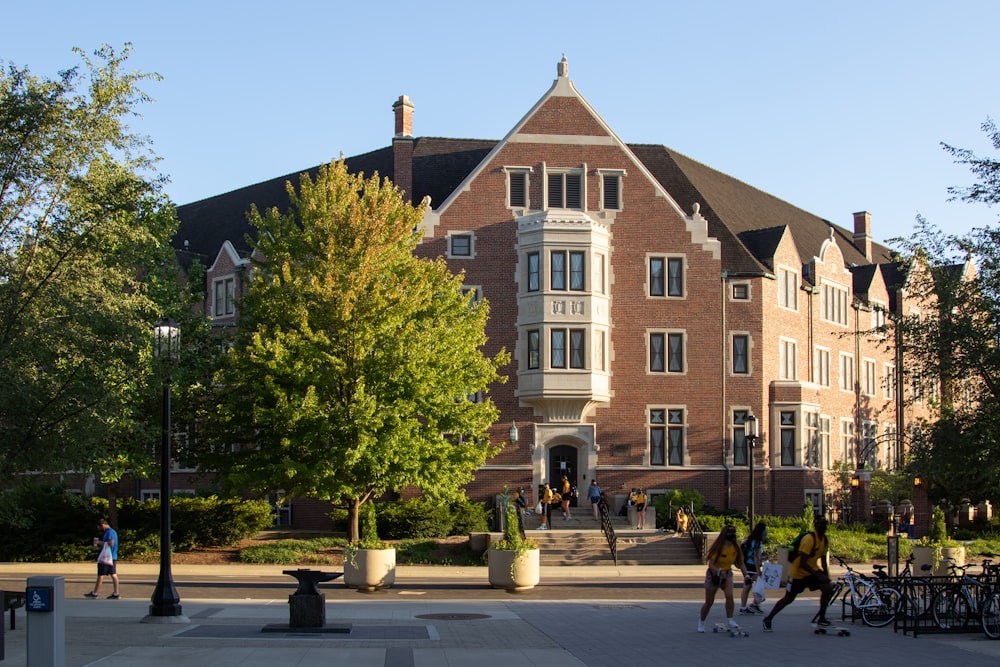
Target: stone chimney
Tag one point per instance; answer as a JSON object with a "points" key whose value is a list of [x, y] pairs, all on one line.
{"points": [[402, 146], [863, 233]]}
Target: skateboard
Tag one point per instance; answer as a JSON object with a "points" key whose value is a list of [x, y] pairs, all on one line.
{"points": [[733, 632], [831, 630]]}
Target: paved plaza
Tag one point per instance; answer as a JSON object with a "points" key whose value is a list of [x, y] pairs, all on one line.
{"points": [[595, 616]]}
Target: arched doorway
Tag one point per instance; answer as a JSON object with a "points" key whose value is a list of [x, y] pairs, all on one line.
{"points": [[563, 461]]}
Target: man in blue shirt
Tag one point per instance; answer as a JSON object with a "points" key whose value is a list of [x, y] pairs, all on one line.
{"points": [[109, 538]]}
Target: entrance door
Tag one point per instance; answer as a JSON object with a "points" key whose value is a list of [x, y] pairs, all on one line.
{"points": [[563, 461]]}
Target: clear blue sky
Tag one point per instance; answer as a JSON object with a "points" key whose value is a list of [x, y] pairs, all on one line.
{"points": [[833, 107]]}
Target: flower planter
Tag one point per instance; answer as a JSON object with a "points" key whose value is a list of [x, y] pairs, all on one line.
{"points": [[923, 555], [370, 569], [514, 575]]}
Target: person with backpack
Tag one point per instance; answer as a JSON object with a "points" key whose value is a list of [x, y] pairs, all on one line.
{"points": [[810, 569], [594, 496], [722, 555], [752, 549]]}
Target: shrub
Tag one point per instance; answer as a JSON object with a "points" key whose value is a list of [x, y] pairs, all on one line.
{"points": [[43, 522], [414, 518]]}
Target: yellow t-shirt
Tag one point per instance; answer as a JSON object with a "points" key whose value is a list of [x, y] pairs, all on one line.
{"points": [[726, 557], [811, 543], [547, 497]]}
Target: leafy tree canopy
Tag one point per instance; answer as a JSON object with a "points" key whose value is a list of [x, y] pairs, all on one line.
{"points": [[357, 365], [84, 231]]}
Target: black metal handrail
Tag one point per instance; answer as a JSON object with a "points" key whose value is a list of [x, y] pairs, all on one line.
{"points": [[608, 529]]}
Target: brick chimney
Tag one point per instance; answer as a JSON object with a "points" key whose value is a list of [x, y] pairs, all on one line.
{"points": [[863, 233], [402, 146]]}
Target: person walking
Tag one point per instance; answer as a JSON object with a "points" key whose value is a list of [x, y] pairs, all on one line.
{"points": [[594, 496], [546, 504], [810, 569], [640, 509], [722, 555], [564, 497], [108, 538], [753, 557]]}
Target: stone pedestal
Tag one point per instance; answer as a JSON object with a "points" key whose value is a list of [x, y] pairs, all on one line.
{"points": [[307, 611]]}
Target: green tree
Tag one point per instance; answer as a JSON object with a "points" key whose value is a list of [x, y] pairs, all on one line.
{"points": [[951, 345], [357, 364], [84, 256]]}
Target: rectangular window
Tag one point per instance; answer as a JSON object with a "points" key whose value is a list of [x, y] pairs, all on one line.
{"points": [[675, 276], [788, 359], [534, 269], [657, 437], [657, 276], [534, 351], [879, 320], [847, 441], [835, 304], [787, 436], [812, 443], [577, 350], [739, 438], [889, 382], [788, 289], [599, 351], [577, 271], [611, 192], [517, 184], [871, 377], [666, 352], [599, 274], [461, 245], [741, 354], [869, 431], [224, 297], [557, 273], [675, 437], [557, 350], [846, 372], [741, 292], [565, 191], [824, 441], [821, 367]]}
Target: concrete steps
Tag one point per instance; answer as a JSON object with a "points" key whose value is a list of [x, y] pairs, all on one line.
{"points": [[566, 546]]}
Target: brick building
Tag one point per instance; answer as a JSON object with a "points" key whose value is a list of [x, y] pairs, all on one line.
{"points": [[650, 304]]}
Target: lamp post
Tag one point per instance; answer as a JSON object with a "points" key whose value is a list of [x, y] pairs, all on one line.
{"points": [[165, 604], [750, 435]]}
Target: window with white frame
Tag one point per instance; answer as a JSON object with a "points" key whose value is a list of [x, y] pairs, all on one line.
{"points": [[846, 372], [461, 245], [517, 187], [611, 189], [835, 303], [812, 453], [739, 438], [814, 496], [821, 366], [869, 432], [741, 291], [870, 372], [666, 352], [787, 352], [879, 318], [824, 440], [788, 289], [474, 292], [889, 381], [567, 270], [565, 190], [786, 436], [225, 297], [847, 441], [741, 354]]}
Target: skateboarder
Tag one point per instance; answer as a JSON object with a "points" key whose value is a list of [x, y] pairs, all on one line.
{"points": [[810, 569]]}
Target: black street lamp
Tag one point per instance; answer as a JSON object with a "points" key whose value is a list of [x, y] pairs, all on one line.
{"points": [[750, 434], [165, 604]]}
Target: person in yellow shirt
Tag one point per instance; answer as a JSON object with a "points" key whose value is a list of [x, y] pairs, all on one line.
{"points": [[546, 507], [811, 570], [640, 509], [722, 555]]}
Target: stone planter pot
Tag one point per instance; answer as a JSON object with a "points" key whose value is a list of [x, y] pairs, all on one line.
{"points": [[782, 560], [922, 555], [370, 569], [520, 575]]}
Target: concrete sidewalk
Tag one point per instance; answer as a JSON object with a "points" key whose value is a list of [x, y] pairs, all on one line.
{"points": [[402, 628]]}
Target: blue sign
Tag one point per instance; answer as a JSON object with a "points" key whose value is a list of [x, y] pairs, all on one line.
{"points": [[39, 598]]}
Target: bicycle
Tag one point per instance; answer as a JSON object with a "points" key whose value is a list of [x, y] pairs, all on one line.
{"points": [[916, 592], [965, 598], [877, 602]]}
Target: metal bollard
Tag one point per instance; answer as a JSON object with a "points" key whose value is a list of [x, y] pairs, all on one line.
{"points": [[46, 621]]}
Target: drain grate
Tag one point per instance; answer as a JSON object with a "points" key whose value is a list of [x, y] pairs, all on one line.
{"points": [[452, 617]]}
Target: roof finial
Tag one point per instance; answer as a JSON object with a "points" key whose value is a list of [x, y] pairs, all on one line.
{"points": [[563, 68]]}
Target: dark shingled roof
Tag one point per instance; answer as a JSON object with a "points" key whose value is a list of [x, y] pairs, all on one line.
{"points": [[748, 222]]}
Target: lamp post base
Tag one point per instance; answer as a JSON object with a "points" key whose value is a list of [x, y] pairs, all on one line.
{"points": [[165, 620]]}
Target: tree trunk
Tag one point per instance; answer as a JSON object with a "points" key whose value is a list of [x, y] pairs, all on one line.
{"points": [[112, 490], [353, 535]]}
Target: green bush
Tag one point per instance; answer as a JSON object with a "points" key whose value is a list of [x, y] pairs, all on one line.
{"points": [[414, 518], [43, 522], [469, 517]]}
